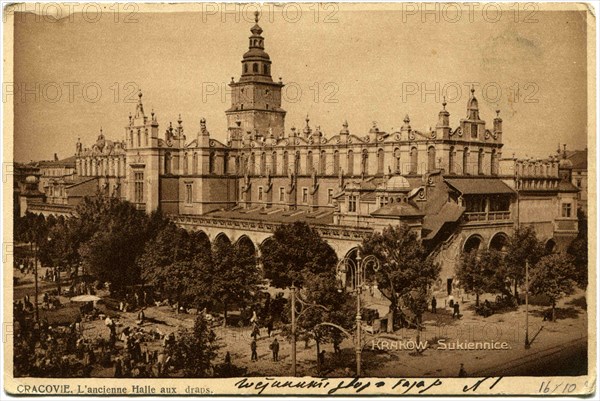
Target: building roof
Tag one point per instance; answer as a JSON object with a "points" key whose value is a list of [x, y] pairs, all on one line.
{"points": [[432, 223], [479, 186], [85, 187], [398, 209], [68, 162], [579, 159], [276, 216]]}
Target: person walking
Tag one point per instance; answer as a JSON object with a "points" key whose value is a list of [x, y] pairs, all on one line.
{"points": [[462, 372], [456, 312], [254, 356], [275, 348], [433, 305]]}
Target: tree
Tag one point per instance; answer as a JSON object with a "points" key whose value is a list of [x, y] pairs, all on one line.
{"points": [[522, 246], [553, 276], [174, 262], [294, 252], [233, 277], [404, 263], [477, 271], [194, 351], [578, 249], [321, 307]]}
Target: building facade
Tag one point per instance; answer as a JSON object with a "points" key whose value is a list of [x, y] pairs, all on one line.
{"points": [[450, 184]]}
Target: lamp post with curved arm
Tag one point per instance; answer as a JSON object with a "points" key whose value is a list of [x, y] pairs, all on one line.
{"points": [[358, 271]]}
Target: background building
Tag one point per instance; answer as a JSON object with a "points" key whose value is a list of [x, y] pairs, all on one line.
{"points": [[450, 183]]}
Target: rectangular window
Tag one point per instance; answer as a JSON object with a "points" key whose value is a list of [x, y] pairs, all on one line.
{"points": [[281, 194], [138, 179], [352, 203], [330, 196], [474, 131], [304, 195], [566, 210], [260, 193], [189, 194]]}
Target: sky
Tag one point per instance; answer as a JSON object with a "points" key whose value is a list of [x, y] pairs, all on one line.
{"points": [[80, 73]]}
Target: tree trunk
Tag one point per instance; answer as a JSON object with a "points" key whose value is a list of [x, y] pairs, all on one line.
{"points": [[224, 314], [553, 311], [516, 293], [476, 299], [318, 354]]}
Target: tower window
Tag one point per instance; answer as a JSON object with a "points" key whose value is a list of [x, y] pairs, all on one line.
{"points": [[281, 194], [266, 70], [304, 195], [566, 210], [255, 67], [188, 193], [330, 196], [245, 70]]}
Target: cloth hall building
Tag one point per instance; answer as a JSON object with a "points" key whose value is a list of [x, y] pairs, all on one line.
{"points": [[451, 184]]}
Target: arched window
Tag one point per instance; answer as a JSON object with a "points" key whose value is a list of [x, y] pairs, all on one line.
{"points": [[274, 163], [167, 163], [185, 164], [255, 67], [225, 163], [414, 160], [380, 162], [323, 163], [336, 161], [195, 163], [480, 157], [266, 69], [251, 164], [139, 138], [431, 158], [309, 162], [466, 161], [297, 163], [263, 163], [397, 160], [245, 67], [495, 162], [286, 163], [451, 169], [365, 162], [211, 163], [350, 162]]}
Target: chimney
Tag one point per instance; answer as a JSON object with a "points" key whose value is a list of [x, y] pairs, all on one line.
{"points": [[55, 157]]}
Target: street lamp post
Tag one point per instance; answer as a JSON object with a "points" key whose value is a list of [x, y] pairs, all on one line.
{"points": [[527, 343], [293, 288], [358, 271]]}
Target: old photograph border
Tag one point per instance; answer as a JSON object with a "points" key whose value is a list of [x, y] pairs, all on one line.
{"points": [[299, 386]]}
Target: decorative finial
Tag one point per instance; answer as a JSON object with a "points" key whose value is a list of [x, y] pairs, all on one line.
{"points": [[473, 88], [497, 112], [444, 103], [140, 94], [406, 119], [345, 124], [256, 16], [307, 119], [179, 120], [232, 80]]}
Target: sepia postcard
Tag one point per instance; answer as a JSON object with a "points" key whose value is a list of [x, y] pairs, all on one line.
{"points": [[320, 199]]}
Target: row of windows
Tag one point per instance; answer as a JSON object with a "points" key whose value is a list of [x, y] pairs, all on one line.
{"points": [[249, 163], [108, 166], [256, 68], [304, 199], [322, 165]]}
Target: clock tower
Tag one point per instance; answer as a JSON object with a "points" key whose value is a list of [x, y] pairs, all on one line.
{"points": [[256, 100]]}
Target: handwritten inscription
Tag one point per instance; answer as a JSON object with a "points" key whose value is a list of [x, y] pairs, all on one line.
{"points": [[359, 385]]}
